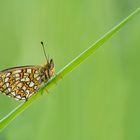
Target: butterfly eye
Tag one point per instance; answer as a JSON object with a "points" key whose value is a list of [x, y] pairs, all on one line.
{"points": [[49, 65]]}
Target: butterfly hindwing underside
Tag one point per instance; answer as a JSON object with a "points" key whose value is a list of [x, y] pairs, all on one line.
{"points": [[21, 82]]}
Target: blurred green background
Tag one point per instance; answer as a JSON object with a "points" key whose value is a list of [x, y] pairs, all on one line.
{"points": [[100, 100]]}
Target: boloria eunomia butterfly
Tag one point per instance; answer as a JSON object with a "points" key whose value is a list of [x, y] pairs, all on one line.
{"points": [[22, 82]]}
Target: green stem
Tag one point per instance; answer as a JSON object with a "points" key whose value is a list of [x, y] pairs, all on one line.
{"points": [[67, 69]]}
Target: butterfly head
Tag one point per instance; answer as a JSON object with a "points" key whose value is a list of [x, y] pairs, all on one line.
{"points": [[49, 68]]}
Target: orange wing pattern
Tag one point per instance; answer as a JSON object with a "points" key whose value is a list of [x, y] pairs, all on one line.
{"points": [[21, 82]]}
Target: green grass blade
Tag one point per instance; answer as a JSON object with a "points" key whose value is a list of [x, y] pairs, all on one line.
{"points": [[67, 69]]}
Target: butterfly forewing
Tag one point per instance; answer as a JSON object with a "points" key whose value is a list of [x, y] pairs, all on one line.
{"points": [[21, 82]]}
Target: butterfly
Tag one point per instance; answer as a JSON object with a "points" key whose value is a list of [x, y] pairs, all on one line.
{"points": [[23, 82]]}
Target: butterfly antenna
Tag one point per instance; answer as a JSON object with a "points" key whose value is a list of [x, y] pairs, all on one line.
{"points": [[44, 50], [48, 57]]}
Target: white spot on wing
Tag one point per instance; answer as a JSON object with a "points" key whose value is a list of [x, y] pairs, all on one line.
{"points": [[30, 95], [8, 74], [27, 91], [35, 87], [16, 71], [18, 96], [36, 72], [19, 85], [28, 83], [26, 79], [29, 70], [35, 75], [26, 74], [23, 98], [13, 93], [7, 84], [31, 84], [9, 89], [17, 75], [17, 78], [38, 78], [24, 88], [6, 79]]}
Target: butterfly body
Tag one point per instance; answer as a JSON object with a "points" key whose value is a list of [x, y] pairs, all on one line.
{"points": [[22, 82]]}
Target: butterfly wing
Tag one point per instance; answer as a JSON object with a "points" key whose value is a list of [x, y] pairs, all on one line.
{"points": [[20, 82]]}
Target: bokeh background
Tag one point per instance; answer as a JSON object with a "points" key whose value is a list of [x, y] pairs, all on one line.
{"points": [[99, 100]]}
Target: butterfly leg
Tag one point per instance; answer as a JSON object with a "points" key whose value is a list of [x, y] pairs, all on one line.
{"points": [[46, 91], [59, 76]]}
